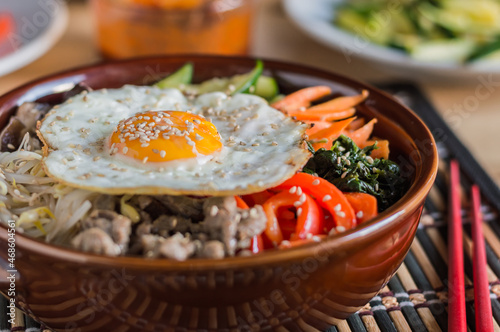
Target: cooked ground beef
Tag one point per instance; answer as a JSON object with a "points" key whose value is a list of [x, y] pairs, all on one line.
{"points": [[104, 224], [97, 241], [182, 227]]}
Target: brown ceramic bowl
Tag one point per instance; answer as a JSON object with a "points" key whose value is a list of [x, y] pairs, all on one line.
{"points": [[300, 289]]}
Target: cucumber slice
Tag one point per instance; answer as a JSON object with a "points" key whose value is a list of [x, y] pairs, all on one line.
{"points": [[266, 87], [485, 51], [231, 85], [242, 83], [451, 51], [184, 75]]}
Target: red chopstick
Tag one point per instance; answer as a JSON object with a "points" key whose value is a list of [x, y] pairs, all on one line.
{"points": [[457, 320], [482, 301]]}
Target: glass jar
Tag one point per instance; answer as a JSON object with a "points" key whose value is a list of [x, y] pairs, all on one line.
{"points": [[128, 28]]}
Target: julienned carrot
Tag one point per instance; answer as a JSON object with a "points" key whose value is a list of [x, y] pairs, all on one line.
{"points": [[382, 150], [325, 137], [335, 109], [340, 103], [361, 135], [316, 126], [331, 115], [240, 202], [356, 124], [301, 98], [364, 205]]}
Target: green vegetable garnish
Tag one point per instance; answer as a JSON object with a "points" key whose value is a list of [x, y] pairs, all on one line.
{"points": [[351, 169], [182, 76]]}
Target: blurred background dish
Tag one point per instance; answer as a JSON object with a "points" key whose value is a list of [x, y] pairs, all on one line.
{"points": [[28, 29], [440, 62], [128, 28]]}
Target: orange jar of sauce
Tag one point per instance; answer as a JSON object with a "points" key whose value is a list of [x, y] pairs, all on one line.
{"points": [[128, 28]]}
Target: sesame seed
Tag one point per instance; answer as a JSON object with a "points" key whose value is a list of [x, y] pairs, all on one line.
{"points": [[337, 207], [274, 143], [214, 210], [299, 191], [197, 121], [274, 126], [340, 229], [163, 153], [299, 212], [376, 186], [341, 148], [65, 129], [343, 175], [198, 137], [96, 158], [297, 203], [340, 214], [125, 150], [293, 190], [302, 198], [326, 198], [10, 146], [369, 159], [315, 182], [265, 133], [359, 214], [255, 144], [101, 175]]}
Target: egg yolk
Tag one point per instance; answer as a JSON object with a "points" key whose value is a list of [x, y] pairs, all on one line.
{"points": [[161, 136]]}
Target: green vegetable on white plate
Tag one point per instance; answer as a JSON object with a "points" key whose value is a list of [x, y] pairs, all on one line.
{"points": [[440, 31]]}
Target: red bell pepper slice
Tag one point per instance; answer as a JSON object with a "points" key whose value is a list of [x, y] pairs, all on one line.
{"points": [[327, 196]]}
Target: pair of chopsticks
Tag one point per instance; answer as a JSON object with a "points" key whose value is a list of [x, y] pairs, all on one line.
{"points": [[457, 320]]}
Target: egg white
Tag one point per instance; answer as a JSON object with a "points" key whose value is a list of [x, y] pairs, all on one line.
{"points": [[262, 146]]}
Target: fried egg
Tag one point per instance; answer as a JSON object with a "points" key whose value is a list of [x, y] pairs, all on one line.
{"points": [[146, 140]]}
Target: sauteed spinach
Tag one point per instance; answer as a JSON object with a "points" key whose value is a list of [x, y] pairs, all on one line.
{"points": [[351, 169]]}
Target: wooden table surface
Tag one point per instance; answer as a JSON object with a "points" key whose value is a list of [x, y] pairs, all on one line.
{"points": [[476, 123]]}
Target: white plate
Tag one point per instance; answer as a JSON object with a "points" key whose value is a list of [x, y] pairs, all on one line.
{"points": [[39, 24], [315, 18]]}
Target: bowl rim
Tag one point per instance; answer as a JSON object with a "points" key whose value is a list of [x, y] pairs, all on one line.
{"points": [[404, 206]]}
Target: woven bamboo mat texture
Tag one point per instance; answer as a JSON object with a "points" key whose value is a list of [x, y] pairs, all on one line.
{"points": [[416, 297]]}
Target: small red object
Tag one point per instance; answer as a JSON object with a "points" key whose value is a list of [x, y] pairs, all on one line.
{"points": [[6, 26], [484, 321], [457, 319]]}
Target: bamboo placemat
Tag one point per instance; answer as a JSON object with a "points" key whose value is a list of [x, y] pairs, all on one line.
{"points": [[416, 297]]}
